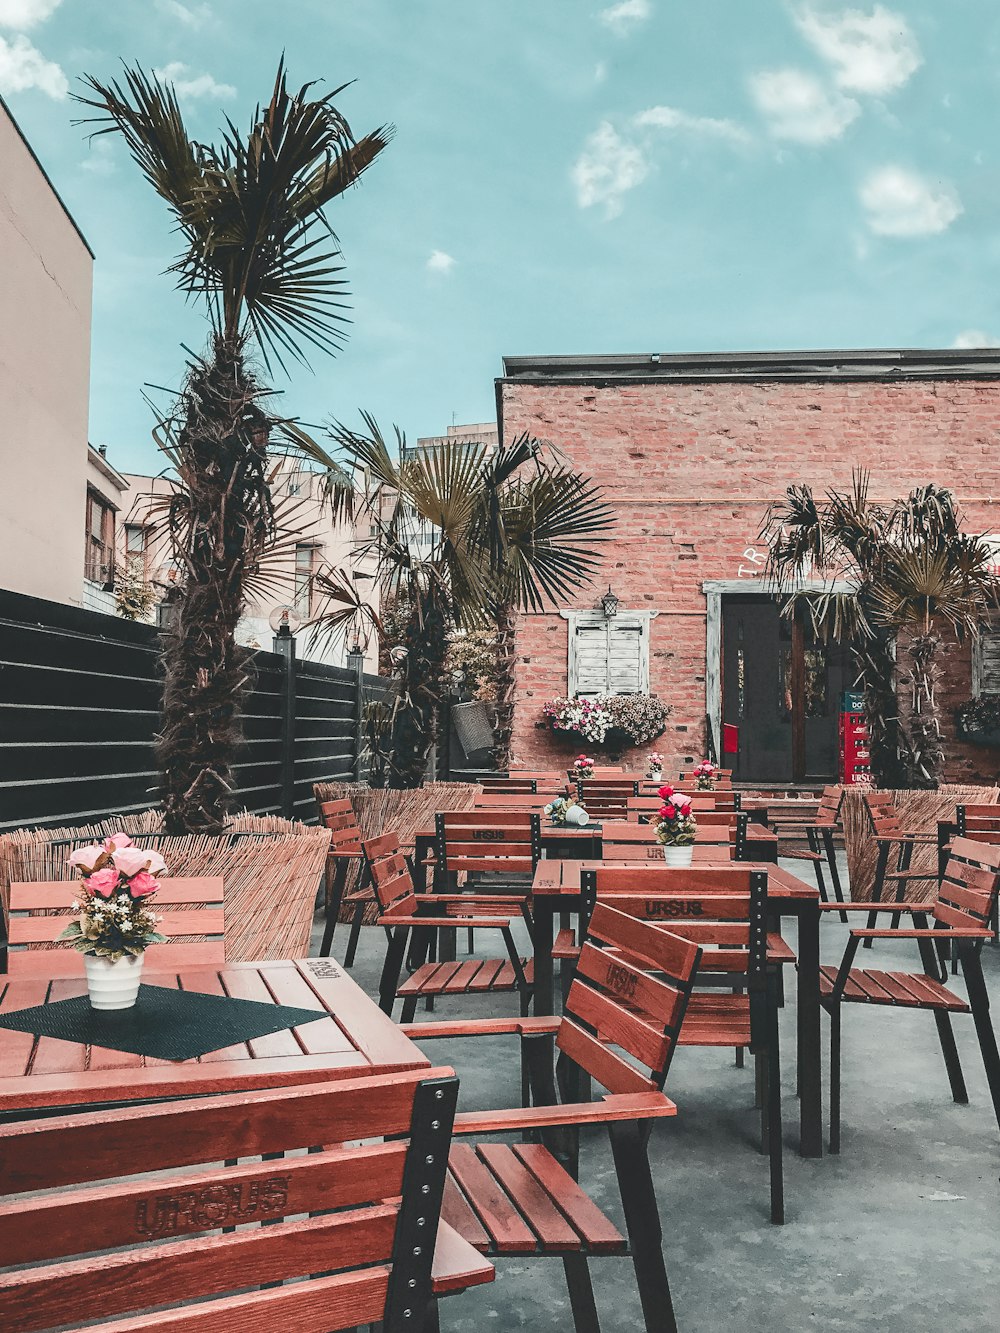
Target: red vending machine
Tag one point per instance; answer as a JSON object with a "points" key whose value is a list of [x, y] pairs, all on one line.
{"points": [[855, 755]]}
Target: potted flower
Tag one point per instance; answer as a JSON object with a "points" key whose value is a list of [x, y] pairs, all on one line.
{"points": [[705, 774], [654, 764], [562, 811], [583, 767], [675, 826], [115, 925]]}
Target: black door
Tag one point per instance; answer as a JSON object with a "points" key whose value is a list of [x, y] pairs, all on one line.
{"points": [[781, 690]]}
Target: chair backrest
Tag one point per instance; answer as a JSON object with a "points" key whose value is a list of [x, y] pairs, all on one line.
{"points": [[522, 786], [359, 1250], [607, 798], [192, 918], [485, 841], [883, 819], [968, 890], [828, 813], [721, 827], [981, 822], [630, 990], [339, 817], [390, 874], [721, 775], [509, 800], [642, 806]]}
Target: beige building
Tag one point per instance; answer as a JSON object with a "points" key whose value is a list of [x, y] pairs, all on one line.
{"points": [[106, 498], [46, 269], [308, 542]]}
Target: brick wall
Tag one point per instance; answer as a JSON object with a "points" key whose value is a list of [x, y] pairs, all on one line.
{"points": [[691, 468]]}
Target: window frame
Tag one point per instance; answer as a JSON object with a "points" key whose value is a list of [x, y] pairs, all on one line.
{"points": [[641, 620]]}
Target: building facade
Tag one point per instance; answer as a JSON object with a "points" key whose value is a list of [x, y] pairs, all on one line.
{"points": [[46, 270], [691, 451]]}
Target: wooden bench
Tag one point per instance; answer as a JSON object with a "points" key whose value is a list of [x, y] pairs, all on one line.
{"points": [[193, 919], [360, 1248], [961, 916]]}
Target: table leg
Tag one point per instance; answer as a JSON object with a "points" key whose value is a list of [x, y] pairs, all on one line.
{"points": [[810, 1080], [544, 909]]}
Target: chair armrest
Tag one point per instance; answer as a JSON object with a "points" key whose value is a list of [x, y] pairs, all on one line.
{"points": [[929, 838], [876, 907], [615, 1106], [480, 922], [951, 934], [513, 900], [480, 1027], [456, 1265]]}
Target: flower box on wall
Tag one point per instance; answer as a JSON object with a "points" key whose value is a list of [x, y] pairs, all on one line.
{"points": [[610, 722]]}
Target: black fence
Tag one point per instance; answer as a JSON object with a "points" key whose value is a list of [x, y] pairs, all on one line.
{"points": [[79, 708]]}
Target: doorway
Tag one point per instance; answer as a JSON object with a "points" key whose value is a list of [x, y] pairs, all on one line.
{"points": [[781, 690]]}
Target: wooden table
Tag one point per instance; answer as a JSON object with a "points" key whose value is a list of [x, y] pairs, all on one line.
{"points": [[556, 888], [350, 1038]]}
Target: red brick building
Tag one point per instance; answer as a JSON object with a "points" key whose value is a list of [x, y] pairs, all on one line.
{"points": [[691, 450]]}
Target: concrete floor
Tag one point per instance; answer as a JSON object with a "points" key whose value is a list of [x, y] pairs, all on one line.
{"points": [[900, 1233]]}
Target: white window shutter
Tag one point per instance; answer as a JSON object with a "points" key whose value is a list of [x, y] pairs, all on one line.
{"points": [[608, 656], [986, 662]]}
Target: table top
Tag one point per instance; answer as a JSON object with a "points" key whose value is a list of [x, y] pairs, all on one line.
{"points": [[350, 1038], [556, 878]]}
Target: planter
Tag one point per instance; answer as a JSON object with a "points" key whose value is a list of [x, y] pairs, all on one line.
{"points": [[113, 985], [677, 856]]}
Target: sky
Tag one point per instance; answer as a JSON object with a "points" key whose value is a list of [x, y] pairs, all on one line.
{"points": [[567, 177]]}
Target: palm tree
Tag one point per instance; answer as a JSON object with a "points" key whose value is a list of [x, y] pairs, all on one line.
{"points": [[889, 576], [257, 247], [512, 530]]}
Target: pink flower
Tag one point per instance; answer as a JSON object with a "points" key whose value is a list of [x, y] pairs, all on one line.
{"points": [[117, 840], [130, 860], [85, 858], [103, 882], [142, 885]]}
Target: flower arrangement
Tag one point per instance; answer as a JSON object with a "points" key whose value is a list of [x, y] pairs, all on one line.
{"points": [[115, 920], [704, 775], [609, 719], [583, 767], [563, 811], [675, 824], [654, 764]]}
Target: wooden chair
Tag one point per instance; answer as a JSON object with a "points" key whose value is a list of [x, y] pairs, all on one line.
{"points": [[646, 806], [345, 846], [981, 823], [821, 850], [724, 912], [505, 800], [894, 845], [630, 996], [960, 915], [607, 798], [361, 1248], [192, 918], [425, 916], [512, 785]]}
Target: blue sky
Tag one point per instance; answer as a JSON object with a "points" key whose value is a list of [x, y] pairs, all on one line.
{"points": [[567, 177]]}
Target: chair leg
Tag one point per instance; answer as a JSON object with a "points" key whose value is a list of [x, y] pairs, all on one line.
{"points": [[334, 898], [642, 1222], [774, 1127], [581, 1293], [950, 1052], [881, 866], [835, 1079], [409, 1009], [979, 1002], [831, 860], [817, 865], [355, 936]]}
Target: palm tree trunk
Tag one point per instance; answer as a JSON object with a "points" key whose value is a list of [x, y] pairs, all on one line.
{"points": [[220, 520], [505, 623], [920, 715], [876, 668], [415, 726]]}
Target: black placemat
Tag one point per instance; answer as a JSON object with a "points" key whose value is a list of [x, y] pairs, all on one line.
{"points": [[167, 1024]]}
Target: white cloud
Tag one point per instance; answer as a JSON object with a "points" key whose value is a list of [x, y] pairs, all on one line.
{"points": [[24, 14], [626, 15], [22, 66], [600, 71], [869, 53], [976, 338], [100, 161], [188, 84], [669, 118], [440, 261], [903, 203], [607, 168], [192, 16], [797, 106]]}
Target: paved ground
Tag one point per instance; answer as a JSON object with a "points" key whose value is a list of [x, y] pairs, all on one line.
{"points": [[901, 1233]]}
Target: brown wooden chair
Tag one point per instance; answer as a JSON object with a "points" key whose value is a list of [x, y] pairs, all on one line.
{"points": [[623, 1016], [217, 1248], [513, 785], [423, 917], [895, 847], [500, 848], [345, 846], [607, 798], [981, 823], [192, 915], [821, 850], [724, 912], [508, 800], [646, 806], [961, 915]]}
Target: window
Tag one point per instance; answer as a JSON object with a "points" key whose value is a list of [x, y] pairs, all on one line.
{"points": [[135, 549], [305, 571], [99, 557], [986, 662], [608, 655]]}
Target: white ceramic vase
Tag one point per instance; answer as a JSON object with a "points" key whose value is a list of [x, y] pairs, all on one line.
{"points": [[113, 985], [677, 856]]}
